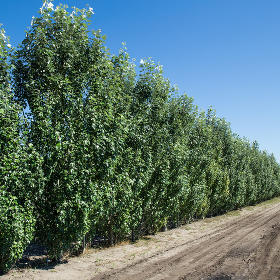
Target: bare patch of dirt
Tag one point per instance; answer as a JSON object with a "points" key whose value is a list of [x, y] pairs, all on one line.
{"points": [[241, 245]]}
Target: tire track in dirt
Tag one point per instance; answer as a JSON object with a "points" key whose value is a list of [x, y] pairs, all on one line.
{"points": [[208, 254], [267, 257], [227, 227]]}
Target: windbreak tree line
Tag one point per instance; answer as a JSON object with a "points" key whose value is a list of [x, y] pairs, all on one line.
{"points": [[89, 148]]}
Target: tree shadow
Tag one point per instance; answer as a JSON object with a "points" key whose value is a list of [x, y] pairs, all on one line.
{"points": [[35, 256]]}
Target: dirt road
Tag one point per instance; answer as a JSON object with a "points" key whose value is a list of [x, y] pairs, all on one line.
{"points": [[240, 245]]}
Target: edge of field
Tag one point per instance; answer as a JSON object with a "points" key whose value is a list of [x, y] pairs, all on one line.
{"points": [[95, 261]]}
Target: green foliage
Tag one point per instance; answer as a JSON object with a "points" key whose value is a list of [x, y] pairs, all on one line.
{"points": [[104, 152], [20, 176], [52, 72], [16, 229]]}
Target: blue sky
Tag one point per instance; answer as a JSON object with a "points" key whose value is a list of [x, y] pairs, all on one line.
{"points": [[222, 53]]}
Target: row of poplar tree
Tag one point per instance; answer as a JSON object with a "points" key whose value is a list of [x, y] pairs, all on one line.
{"points": [[89, 148]]}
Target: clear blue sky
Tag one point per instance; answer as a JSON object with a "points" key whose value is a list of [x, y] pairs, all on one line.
{"points": [[222, 53]]}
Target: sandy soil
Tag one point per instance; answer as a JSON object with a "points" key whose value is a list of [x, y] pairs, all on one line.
{"points": [[240, 245]]}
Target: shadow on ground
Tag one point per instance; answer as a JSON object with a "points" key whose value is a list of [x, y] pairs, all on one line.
{"points": [[35, 256]]}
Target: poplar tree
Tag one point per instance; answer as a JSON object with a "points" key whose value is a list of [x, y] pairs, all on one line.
{"points": [[20, 170]]}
